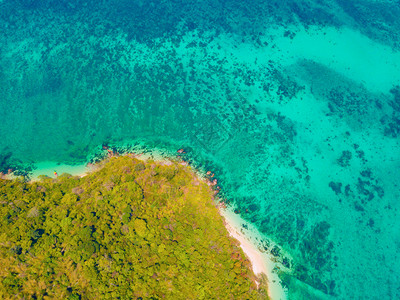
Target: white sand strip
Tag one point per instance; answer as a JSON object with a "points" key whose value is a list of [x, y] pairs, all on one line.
{"points": [[48, 168], [262, 262]]}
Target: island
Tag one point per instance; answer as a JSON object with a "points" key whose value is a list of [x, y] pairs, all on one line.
{"points": [[130, 229]]}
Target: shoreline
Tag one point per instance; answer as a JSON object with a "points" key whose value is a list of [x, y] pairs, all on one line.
{"points": [[47, 168], [261, 261]]}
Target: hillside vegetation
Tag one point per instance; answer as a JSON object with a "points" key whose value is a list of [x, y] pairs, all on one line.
{"points": [[130, 230]]}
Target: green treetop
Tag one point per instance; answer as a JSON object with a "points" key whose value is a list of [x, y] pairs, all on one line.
{"points": [[131, 230]]}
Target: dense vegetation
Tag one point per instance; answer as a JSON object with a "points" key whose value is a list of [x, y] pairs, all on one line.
{"points": [[130, 230]]}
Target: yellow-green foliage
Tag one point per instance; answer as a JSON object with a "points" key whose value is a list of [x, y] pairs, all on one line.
{"points": [[129, 230]]}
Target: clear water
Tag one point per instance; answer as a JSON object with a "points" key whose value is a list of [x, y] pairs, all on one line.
{"points": [[294, 104]]}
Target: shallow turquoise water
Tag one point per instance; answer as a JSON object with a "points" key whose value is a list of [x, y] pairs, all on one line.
{"points": [[294, 104]]}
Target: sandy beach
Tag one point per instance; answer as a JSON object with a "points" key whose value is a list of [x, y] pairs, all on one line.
{"points": [[261, 261], [48, 168]]}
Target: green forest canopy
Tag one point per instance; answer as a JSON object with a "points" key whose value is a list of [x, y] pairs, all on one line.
{"points": [[130, 230]]}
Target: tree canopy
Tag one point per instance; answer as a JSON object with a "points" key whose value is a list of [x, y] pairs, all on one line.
{"points": [[130, 230]]}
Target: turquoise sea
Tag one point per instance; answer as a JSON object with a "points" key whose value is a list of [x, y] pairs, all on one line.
{"points": [[294, 104]]}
